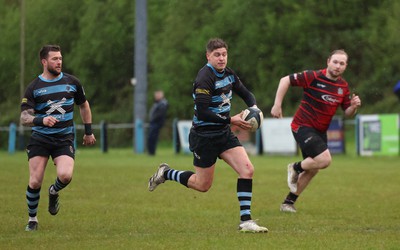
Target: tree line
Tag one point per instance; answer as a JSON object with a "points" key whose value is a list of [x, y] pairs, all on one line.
{"points": [[267, 40]]}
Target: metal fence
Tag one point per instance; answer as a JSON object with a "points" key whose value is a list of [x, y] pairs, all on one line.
{"points": [[116, 135]]}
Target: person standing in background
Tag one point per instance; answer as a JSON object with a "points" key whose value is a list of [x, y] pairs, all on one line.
{"points": [[157, 116]]}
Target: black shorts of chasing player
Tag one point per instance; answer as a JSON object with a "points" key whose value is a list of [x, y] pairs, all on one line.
{"points": [[208, 145], [311, 141], [43, 146]]}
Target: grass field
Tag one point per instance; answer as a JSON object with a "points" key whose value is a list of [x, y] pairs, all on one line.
{"points": [[354, 204]]}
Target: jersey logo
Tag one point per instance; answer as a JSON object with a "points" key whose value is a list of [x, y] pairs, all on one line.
{"points": [[196, 155], [308, 139], [321, 85], [202, 91], [56, 106], [225, 99], [329, 98], [340, 91]]}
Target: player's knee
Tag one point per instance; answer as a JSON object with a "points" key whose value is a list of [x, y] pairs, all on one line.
{"points": [[324, 163], [65, 178], [204, 187], [35, 184], [247, 171]]}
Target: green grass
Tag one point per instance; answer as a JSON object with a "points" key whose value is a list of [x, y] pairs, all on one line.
{"points": [[354, 204]]}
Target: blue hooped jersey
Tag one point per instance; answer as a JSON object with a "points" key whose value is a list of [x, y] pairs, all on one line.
{"points": [[212, 94], [54, 98]]}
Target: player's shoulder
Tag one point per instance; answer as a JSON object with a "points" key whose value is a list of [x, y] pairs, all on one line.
{"points": [[33, 83], [229, 70], [205, 70], [71, 77], [205, 74], [305, 72]]}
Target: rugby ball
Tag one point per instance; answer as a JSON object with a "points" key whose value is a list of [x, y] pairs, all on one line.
{"points": [[254, 116]]}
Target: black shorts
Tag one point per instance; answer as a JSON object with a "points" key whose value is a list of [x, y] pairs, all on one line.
{"points": [[311, 141], [46, 146], [208, 145]]}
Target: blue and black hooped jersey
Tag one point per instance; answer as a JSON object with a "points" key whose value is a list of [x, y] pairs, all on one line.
{"points": [[212, 94], [54, 98]]}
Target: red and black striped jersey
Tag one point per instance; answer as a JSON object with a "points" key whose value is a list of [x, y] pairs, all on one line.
{"points": [[321, 98]]}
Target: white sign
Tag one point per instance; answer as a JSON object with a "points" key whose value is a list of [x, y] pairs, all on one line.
{"points": [[277, 137], [183, 131]]}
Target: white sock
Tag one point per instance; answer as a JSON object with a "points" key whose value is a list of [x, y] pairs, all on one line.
{"points": [[33, 219]]}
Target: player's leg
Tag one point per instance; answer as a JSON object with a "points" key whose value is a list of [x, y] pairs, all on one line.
{"points": [[63, 158], [37, 166], [310, 167], [65, 169], [304, 179], [316, 156], [238, 159], [321, 161], [202, 179], [186, 178], [205, 149], [314, 147]]}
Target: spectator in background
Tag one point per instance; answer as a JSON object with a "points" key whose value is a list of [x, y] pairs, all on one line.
{"points": [[157, 115]]}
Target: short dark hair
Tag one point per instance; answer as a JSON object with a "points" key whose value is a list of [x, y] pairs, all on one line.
{"points": [[216, 43], [44, 51]]}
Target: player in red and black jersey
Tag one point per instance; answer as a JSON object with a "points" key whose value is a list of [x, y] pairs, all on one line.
{"points": [[324, 91]]}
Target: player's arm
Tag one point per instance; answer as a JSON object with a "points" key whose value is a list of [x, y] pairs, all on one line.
{"points": [[352, 109], [283, 87], [245, 94], [86, 115], [250, 100], [202, 102], [29, 119]]}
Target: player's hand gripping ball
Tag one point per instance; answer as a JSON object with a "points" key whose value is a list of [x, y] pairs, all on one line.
{"points": [[254, 116]]}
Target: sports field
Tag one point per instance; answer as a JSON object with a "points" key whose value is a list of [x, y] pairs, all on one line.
{"points": [[354, 204]]}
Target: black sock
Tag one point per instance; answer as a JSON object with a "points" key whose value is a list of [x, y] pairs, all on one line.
{"points": [[32, 199], [297, 167], [58, 185], [179, 176], [244, 193], [290, 198]]}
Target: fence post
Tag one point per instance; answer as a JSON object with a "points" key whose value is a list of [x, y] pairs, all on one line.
{"points": [[175, 136], [12, 137], [259, 146], [103, 137], [139, 136]]}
